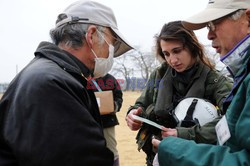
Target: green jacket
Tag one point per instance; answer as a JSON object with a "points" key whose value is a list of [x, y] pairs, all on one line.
{"points": [[236, 151], [217, 87]]}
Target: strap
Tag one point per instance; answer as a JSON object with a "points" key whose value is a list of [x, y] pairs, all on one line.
{"points": [[190, 110], [166, 91], [96, 85]]}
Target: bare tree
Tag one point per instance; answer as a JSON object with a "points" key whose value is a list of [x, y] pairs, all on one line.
{"points": [[146, 63], [122, 67], [132, 65]]}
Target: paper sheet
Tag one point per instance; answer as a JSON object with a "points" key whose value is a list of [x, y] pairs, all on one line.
{"points": [[147, 121]]}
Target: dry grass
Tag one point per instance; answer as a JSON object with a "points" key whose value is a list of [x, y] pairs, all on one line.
{"points": [[127, 147]]}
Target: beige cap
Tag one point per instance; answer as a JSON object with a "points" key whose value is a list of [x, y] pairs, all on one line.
{"points": [[214, 10], [85, 11]]}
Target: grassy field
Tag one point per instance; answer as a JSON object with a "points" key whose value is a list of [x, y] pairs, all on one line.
{"points": [[127, 147]]}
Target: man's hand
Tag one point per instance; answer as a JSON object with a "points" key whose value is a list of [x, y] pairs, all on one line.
{"points": [[155, 143], [168, 132], [132, 123]]}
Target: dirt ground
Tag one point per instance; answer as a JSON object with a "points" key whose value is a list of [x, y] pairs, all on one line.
{"points": [[127, 147]]}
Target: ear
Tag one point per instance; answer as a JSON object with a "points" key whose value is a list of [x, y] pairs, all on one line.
{"points": [[248, 19], [90, 35]]}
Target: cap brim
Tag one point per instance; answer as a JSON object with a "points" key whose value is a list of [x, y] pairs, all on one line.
{"points": [[201, 19], [124, 47]]}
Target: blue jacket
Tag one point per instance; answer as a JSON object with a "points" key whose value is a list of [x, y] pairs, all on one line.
{"points": [[236, 151]]}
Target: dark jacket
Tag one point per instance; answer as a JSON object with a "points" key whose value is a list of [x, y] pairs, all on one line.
{"points": [[49, 118], [108, 82]]}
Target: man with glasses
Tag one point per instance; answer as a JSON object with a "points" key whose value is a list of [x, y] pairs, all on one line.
{"points": [[48, 116], [228, 22]]}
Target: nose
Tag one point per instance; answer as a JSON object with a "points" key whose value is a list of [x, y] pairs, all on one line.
{"points": [[211, 35], [173, 59]]}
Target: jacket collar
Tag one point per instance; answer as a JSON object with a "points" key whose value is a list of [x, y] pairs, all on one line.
{"points": [[63, 58], [237, 56]]}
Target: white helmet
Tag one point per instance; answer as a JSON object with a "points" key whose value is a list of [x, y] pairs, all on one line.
{"points": [[191, 111]]}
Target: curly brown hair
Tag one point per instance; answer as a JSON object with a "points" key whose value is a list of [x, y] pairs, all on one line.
{"points": [[176, 32]]}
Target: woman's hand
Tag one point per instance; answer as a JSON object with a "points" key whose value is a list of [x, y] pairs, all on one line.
{"points": [[132, 123], [168, 132]]}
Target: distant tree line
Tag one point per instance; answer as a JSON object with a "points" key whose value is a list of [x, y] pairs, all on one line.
{"points": [[134, 68]]}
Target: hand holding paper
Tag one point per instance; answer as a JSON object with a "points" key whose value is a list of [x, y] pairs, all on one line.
{"points": [[147, 121]]}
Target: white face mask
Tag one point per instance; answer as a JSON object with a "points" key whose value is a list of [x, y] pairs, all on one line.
{"points": [[103, 65]]}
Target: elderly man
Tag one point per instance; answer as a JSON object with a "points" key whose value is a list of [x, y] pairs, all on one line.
{"points": [[228, 23], [48, 117]]}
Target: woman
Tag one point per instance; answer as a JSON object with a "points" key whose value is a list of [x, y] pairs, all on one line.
{"points": [[188, 73]]}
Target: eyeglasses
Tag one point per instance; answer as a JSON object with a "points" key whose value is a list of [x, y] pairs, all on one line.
{"points": [[117, 42], [211, 26]]}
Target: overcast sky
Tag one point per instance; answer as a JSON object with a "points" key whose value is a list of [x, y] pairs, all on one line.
{"points": [[25, 23]]}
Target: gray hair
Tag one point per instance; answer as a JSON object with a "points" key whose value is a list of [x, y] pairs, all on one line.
{"points": [[72, 35], [236, 15], [100, 34]]}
